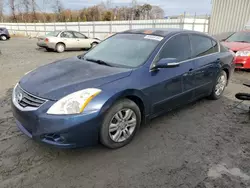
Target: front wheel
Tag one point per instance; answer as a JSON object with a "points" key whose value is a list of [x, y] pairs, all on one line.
{"points": [[120, 124], [219, 86], [94, 44]]}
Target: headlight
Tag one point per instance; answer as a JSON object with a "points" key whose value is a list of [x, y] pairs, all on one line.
{"points": [[74, 103], [243, 53]]}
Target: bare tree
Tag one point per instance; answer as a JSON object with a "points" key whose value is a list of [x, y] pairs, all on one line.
{"points": [[58, 9], [109, 4], [33, 7], [1, 10], [26, 4], [12, 4], [156, 12]]}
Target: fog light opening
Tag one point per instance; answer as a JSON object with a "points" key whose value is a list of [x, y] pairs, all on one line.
{"points": [[55, 138]]}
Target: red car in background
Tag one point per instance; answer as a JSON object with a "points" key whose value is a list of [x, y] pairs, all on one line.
{"points": [[239, 43]]}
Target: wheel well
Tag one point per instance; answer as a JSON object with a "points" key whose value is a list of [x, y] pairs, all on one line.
{"points": [[61, 43], [3, 35], [140, 104], [227, 71]]}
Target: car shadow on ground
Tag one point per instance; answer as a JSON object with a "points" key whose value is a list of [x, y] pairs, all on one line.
{"points": [[53, 51], [190, 139]]}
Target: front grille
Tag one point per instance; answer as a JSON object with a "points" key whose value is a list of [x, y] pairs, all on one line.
{"points": [[238, 65], [24, 99]]}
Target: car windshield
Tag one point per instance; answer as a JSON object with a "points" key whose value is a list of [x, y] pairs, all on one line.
{"points": [[124, 50], [53, 34], [239, 37]]}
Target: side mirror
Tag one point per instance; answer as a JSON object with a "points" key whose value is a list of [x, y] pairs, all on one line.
{"points": [[166, 63]]}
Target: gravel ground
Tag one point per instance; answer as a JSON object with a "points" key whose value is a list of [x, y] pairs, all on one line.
{"points": [[202, 145]]}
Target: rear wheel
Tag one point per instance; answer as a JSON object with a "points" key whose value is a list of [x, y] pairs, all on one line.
{"points": [[3, 37], [120, 124], [60, 47], [219, 86]]}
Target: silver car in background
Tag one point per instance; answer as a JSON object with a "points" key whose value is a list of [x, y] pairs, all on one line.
{"points": [[64, 40]]}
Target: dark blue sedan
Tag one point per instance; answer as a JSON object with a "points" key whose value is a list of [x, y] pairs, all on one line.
{"points": [[106, 94]]}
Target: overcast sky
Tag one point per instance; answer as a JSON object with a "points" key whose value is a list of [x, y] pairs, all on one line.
{"points": [[171, 7]]}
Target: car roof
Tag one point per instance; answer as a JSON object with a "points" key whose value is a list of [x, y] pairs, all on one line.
{"points": [[161, 31]]}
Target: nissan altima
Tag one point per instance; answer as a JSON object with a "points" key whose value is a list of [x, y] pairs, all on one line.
{"points": [[105, 95]]}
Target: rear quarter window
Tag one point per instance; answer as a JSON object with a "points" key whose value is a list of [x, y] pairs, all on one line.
{"points": [[215, 46]]}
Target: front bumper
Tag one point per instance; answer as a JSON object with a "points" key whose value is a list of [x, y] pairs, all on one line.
{"points": [[63, 131], [242, 63]]}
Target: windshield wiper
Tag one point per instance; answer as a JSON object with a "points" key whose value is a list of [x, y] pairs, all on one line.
{"points": [[101, 62], [242, 41]]}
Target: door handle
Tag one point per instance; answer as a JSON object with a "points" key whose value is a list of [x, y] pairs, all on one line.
{"points": [[188, 73]]}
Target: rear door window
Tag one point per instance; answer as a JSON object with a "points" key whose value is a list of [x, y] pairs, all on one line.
{"points": [[201, 45], [67, 34], [79, 35]]}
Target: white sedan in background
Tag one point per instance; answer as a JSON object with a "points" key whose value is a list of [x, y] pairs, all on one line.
{"points": [[65, 40]]}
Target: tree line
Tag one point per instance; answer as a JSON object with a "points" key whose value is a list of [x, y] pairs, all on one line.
{"points": [[54, 11]]}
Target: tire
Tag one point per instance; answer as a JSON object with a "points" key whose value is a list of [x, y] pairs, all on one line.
{"points": [[94, 44], [60, 47], [215, 95], [3, 37], [243, 96], [107, 137]]}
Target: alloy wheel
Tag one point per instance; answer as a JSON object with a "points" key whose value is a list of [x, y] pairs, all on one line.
{"points": [[221, 84], [122, 125]]}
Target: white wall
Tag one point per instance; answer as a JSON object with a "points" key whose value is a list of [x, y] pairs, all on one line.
{"points": [[104, 28]]}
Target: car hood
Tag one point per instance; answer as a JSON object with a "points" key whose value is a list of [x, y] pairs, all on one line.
{"points": [[58, 79], [237, 46]]}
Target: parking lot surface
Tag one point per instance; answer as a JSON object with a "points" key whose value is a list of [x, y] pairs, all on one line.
{"points": [[202, 145]]}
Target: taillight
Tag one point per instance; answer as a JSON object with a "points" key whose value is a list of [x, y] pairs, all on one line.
{"points": [[46, 40]]}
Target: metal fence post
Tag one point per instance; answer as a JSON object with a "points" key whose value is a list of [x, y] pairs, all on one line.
{"points": [[11, 28], [194, 22], [26, 29], [79, 28], [93, 29], [130, 24], [18, 28], [66, 26], [207, 23], [110, 27], [183, 20], [154, 23], [44, 28]]}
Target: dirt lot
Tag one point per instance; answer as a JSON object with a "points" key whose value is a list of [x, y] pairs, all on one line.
{"points": [[203, 145]]}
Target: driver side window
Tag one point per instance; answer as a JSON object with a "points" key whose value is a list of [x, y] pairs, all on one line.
{"points": [[177, 47]]}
